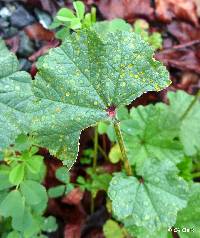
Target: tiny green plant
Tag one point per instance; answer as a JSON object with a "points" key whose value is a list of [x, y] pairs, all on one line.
{"points": [[63, 176], [155, 39], [67, 20], [23, 198]]}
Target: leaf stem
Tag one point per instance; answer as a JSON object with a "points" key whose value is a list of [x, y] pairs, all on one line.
{"points": [[122, 148], [96, 142], [94, 162], [103, 153], [190, 106]]}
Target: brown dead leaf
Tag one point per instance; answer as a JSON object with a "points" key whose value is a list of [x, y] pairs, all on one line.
{"points": [[43, 50], [50, 6], [74, 197], [186, 58], [184, 32], [72, 231], [13, 43], [167, 10], [187, 79], [126, 9], [198, 7], [37, 32]]}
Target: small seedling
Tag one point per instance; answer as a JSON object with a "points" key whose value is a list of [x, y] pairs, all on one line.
{"points": [[64, 177], [67, 20], [23, 198]]}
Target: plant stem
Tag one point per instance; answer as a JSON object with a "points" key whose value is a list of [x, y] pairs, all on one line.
{"points": [[94, 162], [103, 153], [190, 106], [196, 175], [122, 148], [92, 205], [95, 148]]}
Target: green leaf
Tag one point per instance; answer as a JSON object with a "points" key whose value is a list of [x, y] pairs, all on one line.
{"points": [[15, 92], [34, 164], [57, 191], [56, 23], [23, 143], [13, 234], [4, 178], [16, 175], [23, 220], [64, 14], [12, 205], [122, 113], [63, 175], [87, 22], [36, 226], [93, 14], [102, 128], [190, 127], [92, 74], [101, 181], [80, 9], [151, 201], [152, 132], [115, 154], [63, 33], [33, 192], [103, 27], [3, 195], [41, 207], [185, 167], [189, 216], [141, 232], [75, 24], [155, 39], [50, 224], [39, 176], [111, 229], [69, 188]]}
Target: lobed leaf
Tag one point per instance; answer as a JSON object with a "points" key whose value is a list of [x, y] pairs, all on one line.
{"points": [[78, 81], [188, 109], [141, 232], [151, 201], [152, 131], [15, 94], [189, 217]]}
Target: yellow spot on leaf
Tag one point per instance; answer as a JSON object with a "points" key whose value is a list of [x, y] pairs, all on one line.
{"points": [[58, 109]]}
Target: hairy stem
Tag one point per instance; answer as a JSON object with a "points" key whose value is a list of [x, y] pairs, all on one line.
{"points": [[190, 106], [122, 148]]}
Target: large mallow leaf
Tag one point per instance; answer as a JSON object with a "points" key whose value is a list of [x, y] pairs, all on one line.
{"points": [[83, 80], [187, 109], [152, 131], [188, 219], [15, 92], [151, 200]]}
